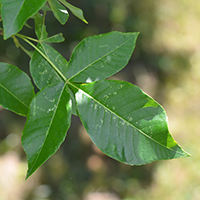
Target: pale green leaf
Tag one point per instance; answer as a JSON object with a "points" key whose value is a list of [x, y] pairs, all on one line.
{"points": [[16, 89], [48, 121], [125, 123]]}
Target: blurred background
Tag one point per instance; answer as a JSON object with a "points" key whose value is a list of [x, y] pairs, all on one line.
{"points": [[165, 64]]}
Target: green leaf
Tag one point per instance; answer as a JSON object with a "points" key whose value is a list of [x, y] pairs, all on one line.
{"points": [[42, 71], [40, 28], [16, 90], [46, 8], [59, 11], [16, 13], [76, 11], [125, 123], [72, 92], [55, 38], [101, 56], [48, 121]]}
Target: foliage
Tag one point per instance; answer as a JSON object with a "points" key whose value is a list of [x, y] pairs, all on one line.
{"points": [[122, 121]]}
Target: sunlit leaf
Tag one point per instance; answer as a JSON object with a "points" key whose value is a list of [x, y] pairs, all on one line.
{"points": [[125, 123], [48, 121], [16, 90], [101, 56]]}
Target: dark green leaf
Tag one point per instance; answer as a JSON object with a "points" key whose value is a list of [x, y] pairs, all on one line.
{"points": [[125, 123], [42, 71], [16, 13], [16, 90], [59, 11], [76, 11], [48, 121], [101, 56], [55, 38]]}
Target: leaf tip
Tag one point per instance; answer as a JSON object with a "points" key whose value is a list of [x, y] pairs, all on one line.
{"points": [[85, 21], [28, 175], [187, 154]]}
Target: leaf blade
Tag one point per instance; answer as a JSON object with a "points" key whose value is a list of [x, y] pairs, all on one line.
{"points": [[55, 38], [41, 70], [16, 89], [21, 10], [125, 123], [108, 53], [59, 11], [76, 11], [40, 28], [47, 124]]}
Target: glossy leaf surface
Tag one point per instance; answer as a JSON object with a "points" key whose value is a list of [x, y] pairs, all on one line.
{"points": [[48, 121], [21, 11], [76, 11], [42, 71], [101, 56], [16, 89], [125, 123], [59, 11]]}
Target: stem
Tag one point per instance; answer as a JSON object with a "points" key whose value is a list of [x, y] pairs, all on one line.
{"points": [[29, 54], [26, 37], [42, 54], [17, 44]]}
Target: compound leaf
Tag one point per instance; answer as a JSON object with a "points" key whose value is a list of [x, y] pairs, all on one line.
{"points": [[48, 121], [16, 89], [21, 11], [101, 56], [125, 123]]}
